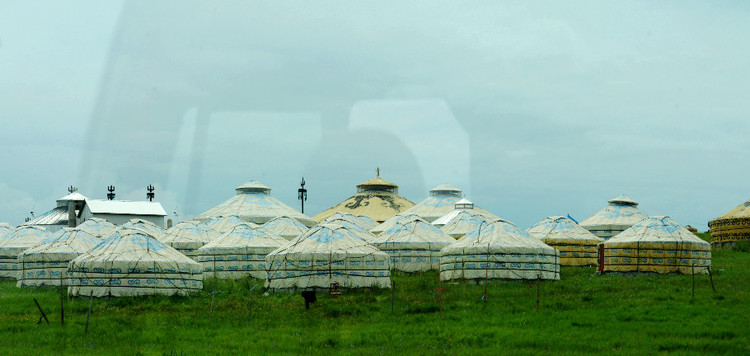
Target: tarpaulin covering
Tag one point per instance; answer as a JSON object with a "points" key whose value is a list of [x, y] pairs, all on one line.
{"points": [[328, 254], [12, 244], [414, 245], [285, 227], [657, 244], [187, 237], [47, 264], [499, 250], [239, 253], [577, 245]]}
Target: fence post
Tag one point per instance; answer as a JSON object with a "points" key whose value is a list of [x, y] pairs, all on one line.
{"points": [[62, 306], [88, 316], [41, 311], [692, 268], [711, 277]]}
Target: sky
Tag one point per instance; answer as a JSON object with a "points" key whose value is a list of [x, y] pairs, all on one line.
{"points": [[534, 109]]}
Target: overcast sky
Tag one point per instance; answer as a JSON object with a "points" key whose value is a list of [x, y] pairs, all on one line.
{"points": [[533, 108]]}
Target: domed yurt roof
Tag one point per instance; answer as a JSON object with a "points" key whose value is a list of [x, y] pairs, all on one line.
{"points": [[464, 221], [376, 198], [285, 227], [47, 264], [355, 228], [328, 254], [394, 221], [145, 225], [621, 213], [100, 228], [223, 224], [656, 244], [188, 236], [499, 249], [254, 203], [131, 262], [577, 245], [460, 206]]}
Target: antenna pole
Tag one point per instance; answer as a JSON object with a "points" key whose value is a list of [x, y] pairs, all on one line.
{"points": [[302, 194]]}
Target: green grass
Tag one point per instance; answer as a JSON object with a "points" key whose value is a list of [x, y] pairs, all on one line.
{"points": [[581, 313]]}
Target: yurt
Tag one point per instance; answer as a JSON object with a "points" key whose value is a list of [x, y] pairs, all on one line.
{"points": [[222, 224], [501, 250], [461, 206], [130, 263], [413, 245], [577, 245], [5, 229], [376, 198], [21, 239], [349, 224], [285, 227], [100, 228], [656, 244], [621, 213], [461, 221], [442, 200], [47, 264], [393, 221], [326, 256], [187, 237], [239, 253], [145, 225], [731, 227], [254, 203]]}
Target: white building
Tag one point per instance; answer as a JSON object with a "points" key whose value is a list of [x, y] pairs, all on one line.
{"points": [[119, 212]]}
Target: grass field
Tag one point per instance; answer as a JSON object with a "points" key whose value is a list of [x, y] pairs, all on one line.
{"points": [[581, 313]]}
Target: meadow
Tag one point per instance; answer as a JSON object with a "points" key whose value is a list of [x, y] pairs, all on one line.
{"points": [[582, 313]]}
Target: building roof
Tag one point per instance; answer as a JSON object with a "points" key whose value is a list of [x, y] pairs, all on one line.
{"points": [[560, 228], [75, 196], [243, 240], [285, 227], [125, 207], [620, 212], [56, 216], [377, 199], [64, 245], [623, 200], [254, 203], [741, 211]]}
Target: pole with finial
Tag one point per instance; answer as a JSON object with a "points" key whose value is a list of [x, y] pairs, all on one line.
{"points": [[377, 171], [72, 189], [150, 194], [111, 194], [302, 194]]}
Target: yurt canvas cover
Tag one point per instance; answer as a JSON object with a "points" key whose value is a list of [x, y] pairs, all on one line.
{"points": [[620, 214], [130, 263], [463, 222], [413, 245], [47, 264], [100, 228], [187, 237], [657, 244], [5, 229], [731, 227], [355, 229], [499, 250], [396, 220], [16, 242], [146, 226], [285, 227], [223, 224], [254, 203], [239, 253], [577, 245], [324, 255], [377, 199]]}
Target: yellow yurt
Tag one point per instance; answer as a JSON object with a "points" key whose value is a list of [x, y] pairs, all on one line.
{"points": [[377, 199], [577, 245], [656, 244], [731, 227]]}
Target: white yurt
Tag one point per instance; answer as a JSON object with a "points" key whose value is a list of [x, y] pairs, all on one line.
{"points": [[12, 244], [577, 245], [146, 226], [100, 228], [326, 255], [363, 222], [413, 245], [620, 213], [656, 244], [463, 222], [239, 253], [130, 263], [5, 229], [187, 237], [285, 227], [254, 203], [47, 264], [499, 250], [355, 228], [223, 224], [394, 221]]}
